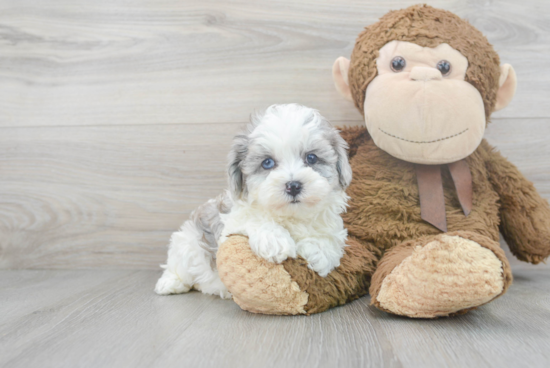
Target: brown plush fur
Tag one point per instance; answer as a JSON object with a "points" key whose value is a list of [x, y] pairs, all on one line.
{"points": [[384, 207], [426, 27], [347, 282], [524, 215]]}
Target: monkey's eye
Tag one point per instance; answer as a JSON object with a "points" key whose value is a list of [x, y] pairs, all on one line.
{"points": [[444, 67], [398, 64], [311, 159], [268, 163]]}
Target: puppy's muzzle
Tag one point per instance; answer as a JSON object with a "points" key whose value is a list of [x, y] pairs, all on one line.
{"points": [[293, 188]]}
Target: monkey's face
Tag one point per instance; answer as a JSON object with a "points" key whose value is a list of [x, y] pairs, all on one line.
{"points": [[421, 103], [419, 108]]}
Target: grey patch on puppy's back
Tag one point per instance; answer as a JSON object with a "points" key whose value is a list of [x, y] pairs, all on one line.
{"points": [[208, 223], [224, 203]]}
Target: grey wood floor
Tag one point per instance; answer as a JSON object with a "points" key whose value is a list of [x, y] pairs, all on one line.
{"points": [[111, 318], [115, 120]]}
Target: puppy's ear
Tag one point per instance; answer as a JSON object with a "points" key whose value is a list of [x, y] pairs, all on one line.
{"points": [[342, 165], [236, 156]]}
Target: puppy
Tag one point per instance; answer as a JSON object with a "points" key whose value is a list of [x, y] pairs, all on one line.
{"points": [[287, 179]]}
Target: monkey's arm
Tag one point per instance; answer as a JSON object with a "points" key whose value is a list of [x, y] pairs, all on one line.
{"points": [[524, 214]]}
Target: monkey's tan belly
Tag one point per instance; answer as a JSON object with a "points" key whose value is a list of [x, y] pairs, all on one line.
{"points": [[385, 208]]}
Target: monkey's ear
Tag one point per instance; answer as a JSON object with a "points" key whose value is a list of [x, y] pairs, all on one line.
{"points": [[506, 86], [340, 70]]}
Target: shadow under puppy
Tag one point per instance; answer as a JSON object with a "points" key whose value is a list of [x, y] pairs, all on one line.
{"points": [[287, 179]]}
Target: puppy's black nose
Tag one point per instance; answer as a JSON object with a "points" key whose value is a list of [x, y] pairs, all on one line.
{"points": [[293, 188]]}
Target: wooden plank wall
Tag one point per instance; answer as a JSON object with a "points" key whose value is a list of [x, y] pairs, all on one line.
{"points": [[116, 116]]}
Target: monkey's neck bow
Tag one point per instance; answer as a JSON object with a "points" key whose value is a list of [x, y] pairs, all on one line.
{"points": [[430, 190]]}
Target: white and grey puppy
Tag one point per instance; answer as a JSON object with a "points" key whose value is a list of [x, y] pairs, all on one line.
{"points": [[287, 179]]}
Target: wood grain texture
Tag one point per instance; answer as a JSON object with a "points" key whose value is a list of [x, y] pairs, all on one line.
{"points": [[79, 62], [109, 197], [103, 196], [113, 319]]}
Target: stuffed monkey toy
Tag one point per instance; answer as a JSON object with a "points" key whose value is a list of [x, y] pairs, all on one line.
{"points": [[429, 195]]}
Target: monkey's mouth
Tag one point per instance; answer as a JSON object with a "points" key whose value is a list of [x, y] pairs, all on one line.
{"points": [[420, 142]]}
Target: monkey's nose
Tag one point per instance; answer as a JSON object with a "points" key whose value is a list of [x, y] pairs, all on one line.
{"points": [[422, 73], [293, 188]]}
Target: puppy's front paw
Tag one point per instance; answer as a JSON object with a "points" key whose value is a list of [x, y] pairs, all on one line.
{"points": [[317, 256], [273, 243]]}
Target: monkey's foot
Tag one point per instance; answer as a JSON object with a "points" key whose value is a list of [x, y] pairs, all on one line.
{"points": [[291, 287], [441, 275]]}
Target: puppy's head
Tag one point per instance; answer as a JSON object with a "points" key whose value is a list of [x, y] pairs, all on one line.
{"points": [[290, 160]]}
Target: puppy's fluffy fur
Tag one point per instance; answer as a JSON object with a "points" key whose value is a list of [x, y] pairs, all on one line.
{"points": [[279, 222]]}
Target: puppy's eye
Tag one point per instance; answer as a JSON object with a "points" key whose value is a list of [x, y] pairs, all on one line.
{"points": [[311, 159], [268, 163], [397, 64], [444, 67]]}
